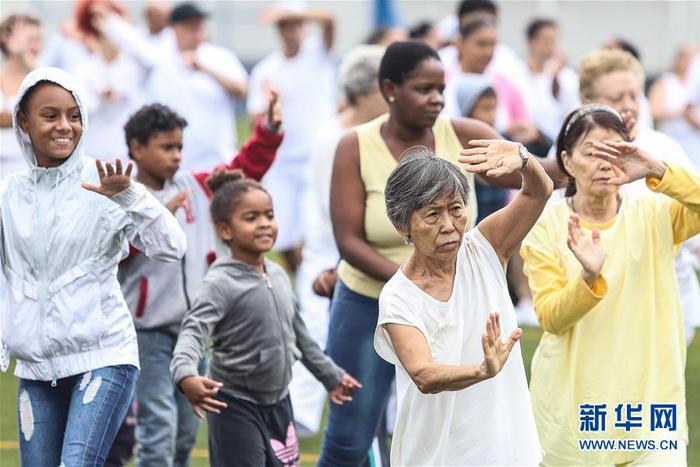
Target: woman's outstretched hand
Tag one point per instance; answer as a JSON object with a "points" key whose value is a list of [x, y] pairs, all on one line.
{"points": [[587, 249], [633, 162], [200, 391], [491, 157], [112, 180], [496, 352], [342, 392]]}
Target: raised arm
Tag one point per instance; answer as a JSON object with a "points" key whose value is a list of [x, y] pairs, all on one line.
{"points": [[560, 301], [327, 22], [468, 129], [148, 225], [413, 352], [506, 228], [348, 212]]}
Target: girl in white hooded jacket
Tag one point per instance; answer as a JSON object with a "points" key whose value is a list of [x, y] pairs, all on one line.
{"points": [[65, 223]]}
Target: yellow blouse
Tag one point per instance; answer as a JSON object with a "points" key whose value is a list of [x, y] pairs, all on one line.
{"points": [[376, 164], [620, 341]]}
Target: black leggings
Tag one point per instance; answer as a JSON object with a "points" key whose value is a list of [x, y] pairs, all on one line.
{"points": [[246, 434]]}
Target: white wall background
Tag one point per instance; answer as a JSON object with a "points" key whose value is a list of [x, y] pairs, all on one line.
{"points": [[656, 27]]}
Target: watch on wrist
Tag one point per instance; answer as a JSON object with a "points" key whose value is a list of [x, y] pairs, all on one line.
{"points": [[524, 155]]}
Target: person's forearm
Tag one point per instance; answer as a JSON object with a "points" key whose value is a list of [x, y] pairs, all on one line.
{"points": [[361, 255], [436, 378], [235, 87], [536, 184]]}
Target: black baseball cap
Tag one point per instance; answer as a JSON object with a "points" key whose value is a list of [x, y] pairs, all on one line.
{"points": [[185, 12]]}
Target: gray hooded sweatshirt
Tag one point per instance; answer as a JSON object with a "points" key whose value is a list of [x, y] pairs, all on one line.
{"points": [[256, 331]]}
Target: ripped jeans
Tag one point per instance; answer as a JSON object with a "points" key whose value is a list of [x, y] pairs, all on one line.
{"points": [[74, 423]]}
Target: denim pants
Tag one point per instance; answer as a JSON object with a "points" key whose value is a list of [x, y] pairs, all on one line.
{"points": [[166, 427], [74, 423], [352, 426]]}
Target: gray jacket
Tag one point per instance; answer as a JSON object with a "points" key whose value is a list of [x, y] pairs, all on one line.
{"points": [[256, 332]]}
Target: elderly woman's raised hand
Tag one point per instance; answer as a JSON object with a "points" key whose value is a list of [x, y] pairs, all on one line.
{"points": [[496, 352], [492, 157], [587, 248], [633, 162]]}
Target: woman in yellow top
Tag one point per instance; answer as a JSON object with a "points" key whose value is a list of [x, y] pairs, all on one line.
{"points": [[610, 365], [412, 81]]}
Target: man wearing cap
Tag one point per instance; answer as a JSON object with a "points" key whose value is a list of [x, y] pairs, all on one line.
{"points": [[303, 71], [197, 79]]}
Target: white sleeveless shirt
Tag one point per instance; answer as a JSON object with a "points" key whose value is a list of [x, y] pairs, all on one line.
{"points": [[489, 423]]}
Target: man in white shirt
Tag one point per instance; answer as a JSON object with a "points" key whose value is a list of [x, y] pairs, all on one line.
{"points": [[197, 79], [303, 72], [552, 86]]}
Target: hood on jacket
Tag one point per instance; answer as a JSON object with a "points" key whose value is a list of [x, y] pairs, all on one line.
{"points": [[471, 86], [70, 84]]}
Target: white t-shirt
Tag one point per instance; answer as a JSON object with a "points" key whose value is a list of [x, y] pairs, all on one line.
{"points": [[489, 423], [547, 111], [125, 78], [307, 87], [210, 136], [11, 157], [678, 95]]}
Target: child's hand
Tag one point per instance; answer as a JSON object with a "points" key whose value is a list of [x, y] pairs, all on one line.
{"points": [[200, 391], [274, 110], [178, 201], [112, 181], [341, 393]]}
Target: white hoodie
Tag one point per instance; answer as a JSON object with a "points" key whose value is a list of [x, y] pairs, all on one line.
{"points": [[63, 312]]}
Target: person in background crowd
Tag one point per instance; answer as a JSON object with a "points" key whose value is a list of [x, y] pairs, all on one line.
{"points": [[316, 276], [197, 79], [671, 105], [476, 48], [157, 29], [552, 86], [600, 264], [427, 32], [505, 60], [20, 44], [303, 71], [644, 119], [112, 79]]}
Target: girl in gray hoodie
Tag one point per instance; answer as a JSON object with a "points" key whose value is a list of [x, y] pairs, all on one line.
{"points": [[247, 307]]}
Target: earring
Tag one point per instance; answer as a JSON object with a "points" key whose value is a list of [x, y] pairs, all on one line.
{"points": [[391, 99]]}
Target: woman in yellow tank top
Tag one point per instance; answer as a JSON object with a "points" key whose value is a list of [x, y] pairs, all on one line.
{"points": [[412, 81]]}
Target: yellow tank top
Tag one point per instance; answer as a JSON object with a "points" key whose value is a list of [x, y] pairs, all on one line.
{"points": [[376, 164]]}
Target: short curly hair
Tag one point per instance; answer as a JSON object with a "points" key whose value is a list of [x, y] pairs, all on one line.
{"points": [[601, 62], [149, 120]]}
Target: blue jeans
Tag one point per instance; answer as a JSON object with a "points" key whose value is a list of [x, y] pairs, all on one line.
{"points": [[352, 426], [166, 427], [74, 423]]}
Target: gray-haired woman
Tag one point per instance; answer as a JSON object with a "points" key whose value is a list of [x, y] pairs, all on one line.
{"points": [[433, 310]]}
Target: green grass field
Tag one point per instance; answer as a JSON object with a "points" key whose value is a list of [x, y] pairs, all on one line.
{"points": [[9, 456]]}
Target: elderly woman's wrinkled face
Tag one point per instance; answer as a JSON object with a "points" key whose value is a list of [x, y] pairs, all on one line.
{"points": [[592, 174], [436, 230]]}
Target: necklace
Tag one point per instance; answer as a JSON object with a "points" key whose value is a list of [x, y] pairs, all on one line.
{"points": [[570, 202]]}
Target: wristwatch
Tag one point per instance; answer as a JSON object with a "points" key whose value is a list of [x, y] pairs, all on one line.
{"points": [[524, 155]]}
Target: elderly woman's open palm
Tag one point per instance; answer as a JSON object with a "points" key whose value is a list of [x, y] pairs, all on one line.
{"points": [[633, 163], [586, 247], [496, 351]]}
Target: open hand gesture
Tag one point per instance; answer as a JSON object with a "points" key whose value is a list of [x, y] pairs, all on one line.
{"points": [[178, 201], [493, 157], [587, 249], [341, 393], [496, 352], [633, 162], [200, 391], [112, 181]]}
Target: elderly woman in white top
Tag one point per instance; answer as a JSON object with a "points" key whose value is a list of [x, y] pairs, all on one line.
{"points": [[433, 311]]}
